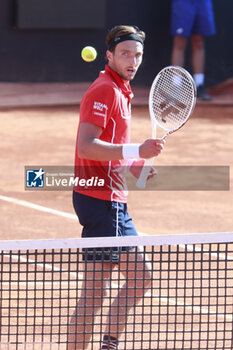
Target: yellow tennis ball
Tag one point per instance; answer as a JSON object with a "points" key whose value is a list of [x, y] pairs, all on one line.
{"points": [[89, 54]]}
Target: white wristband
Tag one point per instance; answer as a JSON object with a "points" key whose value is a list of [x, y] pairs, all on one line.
{"points": [[131, 150]]}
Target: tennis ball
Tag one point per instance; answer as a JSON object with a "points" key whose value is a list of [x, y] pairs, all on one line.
{"points": [[88, 54]]}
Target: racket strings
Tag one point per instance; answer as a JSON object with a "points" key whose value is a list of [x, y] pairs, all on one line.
{"points": [[172, 99]]}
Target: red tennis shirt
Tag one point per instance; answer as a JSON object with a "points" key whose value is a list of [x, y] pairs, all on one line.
{"points": [[107, 103]]}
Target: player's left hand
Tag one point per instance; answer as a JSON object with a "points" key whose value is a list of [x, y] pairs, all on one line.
{"points": [[136, 168]]}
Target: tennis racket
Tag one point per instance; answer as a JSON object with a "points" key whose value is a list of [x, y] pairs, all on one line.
{"points": [[171, 102]]}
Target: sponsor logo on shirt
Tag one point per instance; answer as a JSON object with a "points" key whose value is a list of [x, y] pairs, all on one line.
{"points": [[100, 108]]}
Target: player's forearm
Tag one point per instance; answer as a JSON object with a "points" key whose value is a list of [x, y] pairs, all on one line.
{"points": [[99, 150], [96, 149]]}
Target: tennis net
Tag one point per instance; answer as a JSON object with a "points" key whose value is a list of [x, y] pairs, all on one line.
{"points": [[152, 292]]}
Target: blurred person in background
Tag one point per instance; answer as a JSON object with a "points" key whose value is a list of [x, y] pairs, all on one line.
{"points": [[192, 19]]}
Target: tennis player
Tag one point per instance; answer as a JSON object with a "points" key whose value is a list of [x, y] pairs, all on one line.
{"points": [[104, 150]]}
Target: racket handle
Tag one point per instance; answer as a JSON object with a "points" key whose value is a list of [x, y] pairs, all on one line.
{"points": [[141, 182]]}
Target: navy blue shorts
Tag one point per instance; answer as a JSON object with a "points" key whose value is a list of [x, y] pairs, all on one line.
{"points": [[190, 17], [101, 218]]}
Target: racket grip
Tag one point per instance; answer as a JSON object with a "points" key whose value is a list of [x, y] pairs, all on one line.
{"points": [[141, 182]]}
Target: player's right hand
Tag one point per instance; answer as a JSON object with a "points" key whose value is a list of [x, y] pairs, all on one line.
{"points": [[151, 148]]}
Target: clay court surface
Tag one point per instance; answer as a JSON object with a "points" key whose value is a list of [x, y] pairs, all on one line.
{"points": [[38, 133], [45, 135]]}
